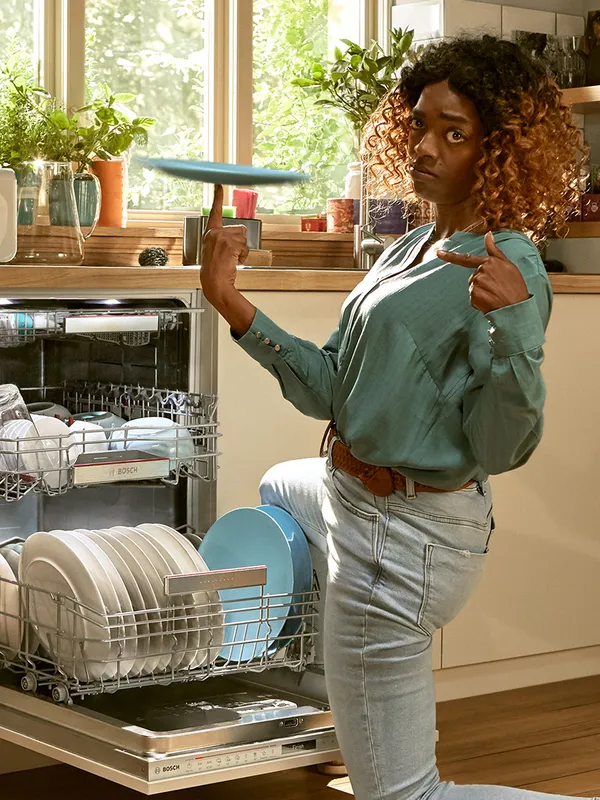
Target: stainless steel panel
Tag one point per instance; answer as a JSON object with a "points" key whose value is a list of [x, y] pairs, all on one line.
{"points": [[240, 578], [163, 720]]}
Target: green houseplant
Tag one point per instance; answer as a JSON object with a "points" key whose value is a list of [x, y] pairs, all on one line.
{"points": [[355, 84], [34, 127], [359, 77]]}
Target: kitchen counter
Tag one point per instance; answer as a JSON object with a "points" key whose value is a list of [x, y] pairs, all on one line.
{"points": [[250, 279]]}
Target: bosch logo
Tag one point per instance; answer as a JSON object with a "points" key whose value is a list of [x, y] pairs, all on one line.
{"points": [[172, 768]]}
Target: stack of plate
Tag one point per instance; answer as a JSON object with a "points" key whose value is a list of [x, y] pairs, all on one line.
{"points": [[115, 620]]}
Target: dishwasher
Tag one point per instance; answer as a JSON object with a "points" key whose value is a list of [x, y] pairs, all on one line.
{"points": [[147, 353]]}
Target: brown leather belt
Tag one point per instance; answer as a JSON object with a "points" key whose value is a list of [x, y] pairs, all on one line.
{"points": [[380, 481]]}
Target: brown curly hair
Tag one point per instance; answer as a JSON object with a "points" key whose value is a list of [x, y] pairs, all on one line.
{"points": [[528, 176]]}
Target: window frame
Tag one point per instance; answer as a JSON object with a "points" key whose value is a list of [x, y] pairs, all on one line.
{"points": [[60, 66]]}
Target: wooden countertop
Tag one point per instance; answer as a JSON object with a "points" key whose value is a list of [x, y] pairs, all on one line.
{"points": [[43, 278]]}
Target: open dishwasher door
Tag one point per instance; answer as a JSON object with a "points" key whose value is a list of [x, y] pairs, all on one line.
{"points": [[183, 727], [163, 738]]}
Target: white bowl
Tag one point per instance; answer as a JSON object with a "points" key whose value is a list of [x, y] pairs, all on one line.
{"points": [[90, 438], [54, 448], [105, 419], [157, 436], [47, 409], [145, 427]]}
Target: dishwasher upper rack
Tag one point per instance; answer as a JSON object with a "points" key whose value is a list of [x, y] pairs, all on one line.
{"points": [[134, 327], [197, 413], [229, 647]]}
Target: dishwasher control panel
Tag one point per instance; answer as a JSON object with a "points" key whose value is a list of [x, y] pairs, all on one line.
{"points": [[230, 759]]}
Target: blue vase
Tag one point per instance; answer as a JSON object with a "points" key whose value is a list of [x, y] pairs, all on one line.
{"points": [[87, 198]]}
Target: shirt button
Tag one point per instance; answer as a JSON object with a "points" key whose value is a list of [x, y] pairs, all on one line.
{"points": [[277, 347], [258, 334], [267, 341]]}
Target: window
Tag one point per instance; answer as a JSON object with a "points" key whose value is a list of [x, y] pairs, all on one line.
{"points": [[215, 74], [289, 130], [17, 26], [155, 50]]}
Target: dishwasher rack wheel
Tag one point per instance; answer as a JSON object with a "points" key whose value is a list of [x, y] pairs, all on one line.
{"points": [[29, 682], [60, 693]]}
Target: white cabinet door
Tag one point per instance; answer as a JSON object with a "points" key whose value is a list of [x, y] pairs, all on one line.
{"points": [[425, 18], [525, 19], [540, 591], [259, 428], [569, 25], [466, 15]]}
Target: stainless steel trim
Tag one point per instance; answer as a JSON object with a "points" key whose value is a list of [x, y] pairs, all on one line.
{"points": [[242, 578], [127, 769], [83, 721], [103, 323]]}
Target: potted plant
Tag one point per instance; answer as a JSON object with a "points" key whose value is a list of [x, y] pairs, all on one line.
{"points": [[359, 78], [34, 127], [111, 131], [355, 83]]}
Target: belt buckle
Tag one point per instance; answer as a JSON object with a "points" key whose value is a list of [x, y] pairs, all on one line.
{"points": [[380, 483]]}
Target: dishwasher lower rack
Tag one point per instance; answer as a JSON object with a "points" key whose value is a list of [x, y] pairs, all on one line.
{"points": [[55, 465], [73, 650]]}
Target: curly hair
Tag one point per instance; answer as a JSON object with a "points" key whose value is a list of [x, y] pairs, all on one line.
{"points": [[528, 174]]}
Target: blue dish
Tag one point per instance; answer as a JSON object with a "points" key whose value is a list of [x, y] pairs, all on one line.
{"points": [[251, 537], [303, 573], [226, 174]]}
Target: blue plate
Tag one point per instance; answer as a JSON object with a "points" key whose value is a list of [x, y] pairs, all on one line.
{"points": [[227, 174], [251, 537], [303, 573]]}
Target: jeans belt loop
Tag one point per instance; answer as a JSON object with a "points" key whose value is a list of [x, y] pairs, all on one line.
{"points": [[411, 492], [332, 441]]}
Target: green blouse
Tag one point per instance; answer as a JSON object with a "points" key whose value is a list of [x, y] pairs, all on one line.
{"points": [[415, 377]]}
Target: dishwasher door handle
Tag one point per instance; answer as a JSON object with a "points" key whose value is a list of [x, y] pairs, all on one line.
{"points": [[112, 323], [215, 580]]}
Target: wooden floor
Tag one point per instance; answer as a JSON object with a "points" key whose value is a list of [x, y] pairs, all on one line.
{"points": [[545, 738]]}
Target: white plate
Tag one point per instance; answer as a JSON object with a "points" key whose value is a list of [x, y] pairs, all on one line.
{"points": [[176, 626], [10, 626], [51, 563], [12, 557], [29, 642], [117, 600], [174, 636], [196, 624], [142, 569], [142, 629], [192, 561]]}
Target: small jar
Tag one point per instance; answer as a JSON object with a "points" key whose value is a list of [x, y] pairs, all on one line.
{"points": [[352, 187]]}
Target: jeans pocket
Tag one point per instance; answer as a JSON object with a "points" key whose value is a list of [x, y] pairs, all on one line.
{"points": [[450, 578], [349, 491]]}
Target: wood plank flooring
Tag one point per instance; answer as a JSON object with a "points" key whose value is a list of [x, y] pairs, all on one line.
{"points": [[545, 738]]}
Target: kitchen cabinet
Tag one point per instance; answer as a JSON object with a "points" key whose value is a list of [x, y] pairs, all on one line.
{"points": [[526, 19], [569, 25], [540, 590], [460, 15]]}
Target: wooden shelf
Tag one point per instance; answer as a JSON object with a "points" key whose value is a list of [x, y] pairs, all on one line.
{"points": [[584, 100], [583, 230]]}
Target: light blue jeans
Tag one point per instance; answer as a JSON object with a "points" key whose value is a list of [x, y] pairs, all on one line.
{"points": [[400, 567]]}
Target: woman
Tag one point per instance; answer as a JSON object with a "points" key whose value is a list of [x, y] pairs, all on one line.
{"points": [[433, 382]]}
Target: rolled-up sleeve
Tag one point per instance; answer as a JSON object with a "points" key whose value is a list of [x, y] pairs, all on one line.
{"points": [[306, 372]]}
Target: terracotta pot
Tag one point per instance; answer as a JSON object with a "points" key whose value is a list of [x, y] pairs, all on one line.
{"points": [[113, 182]]}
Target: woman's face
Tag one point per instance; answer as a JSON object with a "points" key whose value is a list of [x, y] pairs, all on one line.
{"points": [[444, 145]]}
